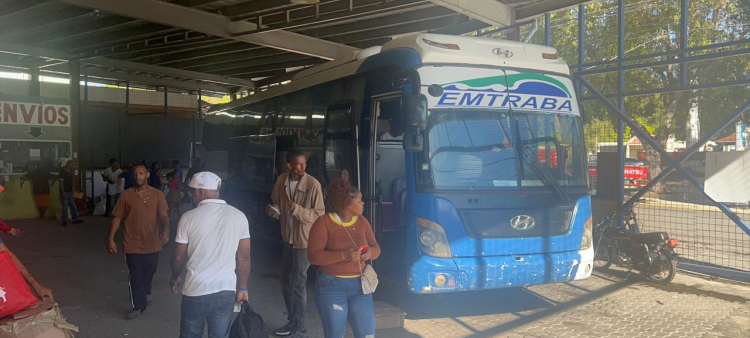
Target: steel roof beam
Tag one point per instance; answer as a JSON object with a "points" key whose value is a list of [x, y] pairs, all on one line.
{"points": [[339, 11], [194, 3], [171, 60], [84, 43], [141, 50], [217, 25], [154, 81], [61, 36], [249, 60], [13, 48], [119, 64], [20, 6], [420, 26], [380, 23], [266, 74], [8, 30], [541, 7], [238, 51], [205, 57], [491, 12], [274, 66], [252, 7], [172, 72]]}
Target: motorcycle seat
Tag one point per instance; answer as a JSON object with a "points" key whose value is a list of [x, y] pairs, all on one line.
{"points": [[650, 237]]}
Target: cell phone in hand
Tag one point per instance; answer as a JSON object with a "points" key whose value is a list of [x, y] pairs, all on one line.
{"points": [[274, 208], [363, 249]]}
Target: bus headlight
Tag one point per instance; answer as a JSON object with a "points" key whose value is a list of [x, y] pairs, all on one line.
{"points": [[432, 239], [587, 239]]}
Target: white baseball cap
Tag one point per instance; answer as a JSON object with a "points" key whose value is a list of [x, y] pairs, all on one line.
{"points": [[205, 180]]}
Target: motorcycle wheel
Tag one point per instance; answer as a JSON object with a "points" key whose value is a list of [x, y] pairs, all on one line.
{"points": [[604, 256], [668, 270]]}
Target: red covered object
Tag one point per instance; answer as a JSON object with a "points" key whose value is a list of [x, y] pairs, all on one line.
{"points": [[15, 294]]}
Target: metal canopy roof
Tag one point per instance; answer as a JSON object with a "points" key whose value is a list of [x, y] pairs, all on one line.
{"points": [[223, 45]]}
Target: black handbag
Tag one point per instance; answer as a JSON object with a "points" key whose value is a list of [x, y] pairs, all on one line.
{"points": [[248, 324]]}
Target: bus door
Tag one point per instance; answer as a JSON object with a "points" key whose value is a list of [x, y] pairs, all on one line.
{"points": [[387, 182], [341, 152], [387, 185]]}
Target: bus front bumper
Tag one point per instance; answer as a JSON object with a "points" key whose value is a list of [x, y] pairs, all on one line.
{"points": [[439, 275]]}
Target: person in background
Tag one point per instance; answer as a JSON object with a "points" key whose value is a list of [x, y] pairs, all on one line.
{"points": [[174, 196], [105, 177], [67, 199], [196, 168], [395, 133], [146, 217], [155, 172], [212, 241], [297, 202], [340, 244], [176, 167], [4, 227], [127, 177], [111, 177], [40, 178]]}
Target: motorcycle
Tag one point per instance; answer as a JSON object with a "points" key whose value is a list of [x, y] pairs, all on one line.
{"points": [[652, 253]]}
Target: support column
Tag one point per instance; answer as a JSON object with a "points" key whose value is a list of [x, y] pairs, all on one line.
{"points": [[685, 5], [76, 118], [621, 101], [581, 50], [547, 30], [513, 34], [34, 87], [166, 100]]}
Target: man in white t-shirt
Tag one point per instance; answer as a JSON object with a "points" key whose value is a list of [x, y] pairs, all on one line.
{"points": [[209, 239], [111, 177]]}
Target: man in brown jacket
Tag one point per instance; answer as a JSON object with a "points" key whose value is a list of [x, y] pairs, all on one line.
{"points": [[297, 201]]}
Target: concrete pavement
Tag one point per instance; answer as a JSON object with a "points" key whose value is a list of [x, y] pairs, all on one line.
{"points": [[91, 287]]}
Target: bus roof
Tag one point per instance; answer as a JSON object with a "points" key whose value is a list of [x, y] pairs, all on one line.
{"points": [[419, 49]]}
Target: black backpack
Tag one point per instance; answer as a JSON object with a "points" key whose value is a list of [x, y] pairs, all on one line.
{"points": [[248, 324]]}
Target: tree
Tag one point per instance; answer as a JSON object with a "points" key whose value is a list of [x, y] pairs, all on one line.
{"points": [[654, 27]]}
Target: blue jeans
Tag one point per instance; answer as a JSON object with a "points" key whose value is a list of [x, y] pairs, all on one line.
{"points": [[67, 201], [339, 299], [217, 309]]}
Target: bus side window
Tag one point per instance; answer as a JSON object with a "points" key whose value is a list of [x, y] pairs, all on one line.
{"points": [[390, 126], [339, 143]]}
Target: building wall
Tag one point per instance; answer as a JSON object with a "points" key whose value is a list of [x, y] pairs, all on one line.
{"points": [[143, 132]]}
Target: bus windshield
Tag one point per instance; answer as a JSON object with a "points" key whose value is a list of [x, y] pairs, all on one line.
{"points": [[493, 149]]}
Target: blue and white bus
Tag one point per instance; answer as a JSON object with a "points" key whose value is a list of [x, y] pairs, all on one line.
{"points": [[469, 153]]}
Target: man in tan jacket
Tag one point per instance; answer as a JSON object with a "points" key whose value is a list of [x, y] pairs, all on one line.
{"points": [[297, 201]]}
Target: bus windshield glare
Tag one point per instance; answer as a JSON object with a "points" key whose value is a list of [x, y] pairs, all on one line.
{"points": [[500, 149]]}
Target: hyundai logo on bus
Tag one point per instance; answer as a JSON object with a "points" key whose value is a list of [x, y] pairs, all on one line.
{"points": [[522, 222], [522, 91], [503, 53]]}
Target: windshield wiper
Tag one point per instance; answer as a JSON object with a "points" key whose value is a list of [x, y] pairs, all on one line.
{"points": [[544, 175]]}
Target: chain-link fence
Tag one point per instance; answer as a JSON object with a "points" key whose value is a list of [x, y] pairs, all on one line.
{"points": [[679, 89], [680, 70]]}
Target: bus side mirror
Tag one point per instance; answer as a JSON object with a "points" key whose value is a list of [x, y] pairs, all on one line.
{"points": [[414, 121], [415, 111], [413, 141]]}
